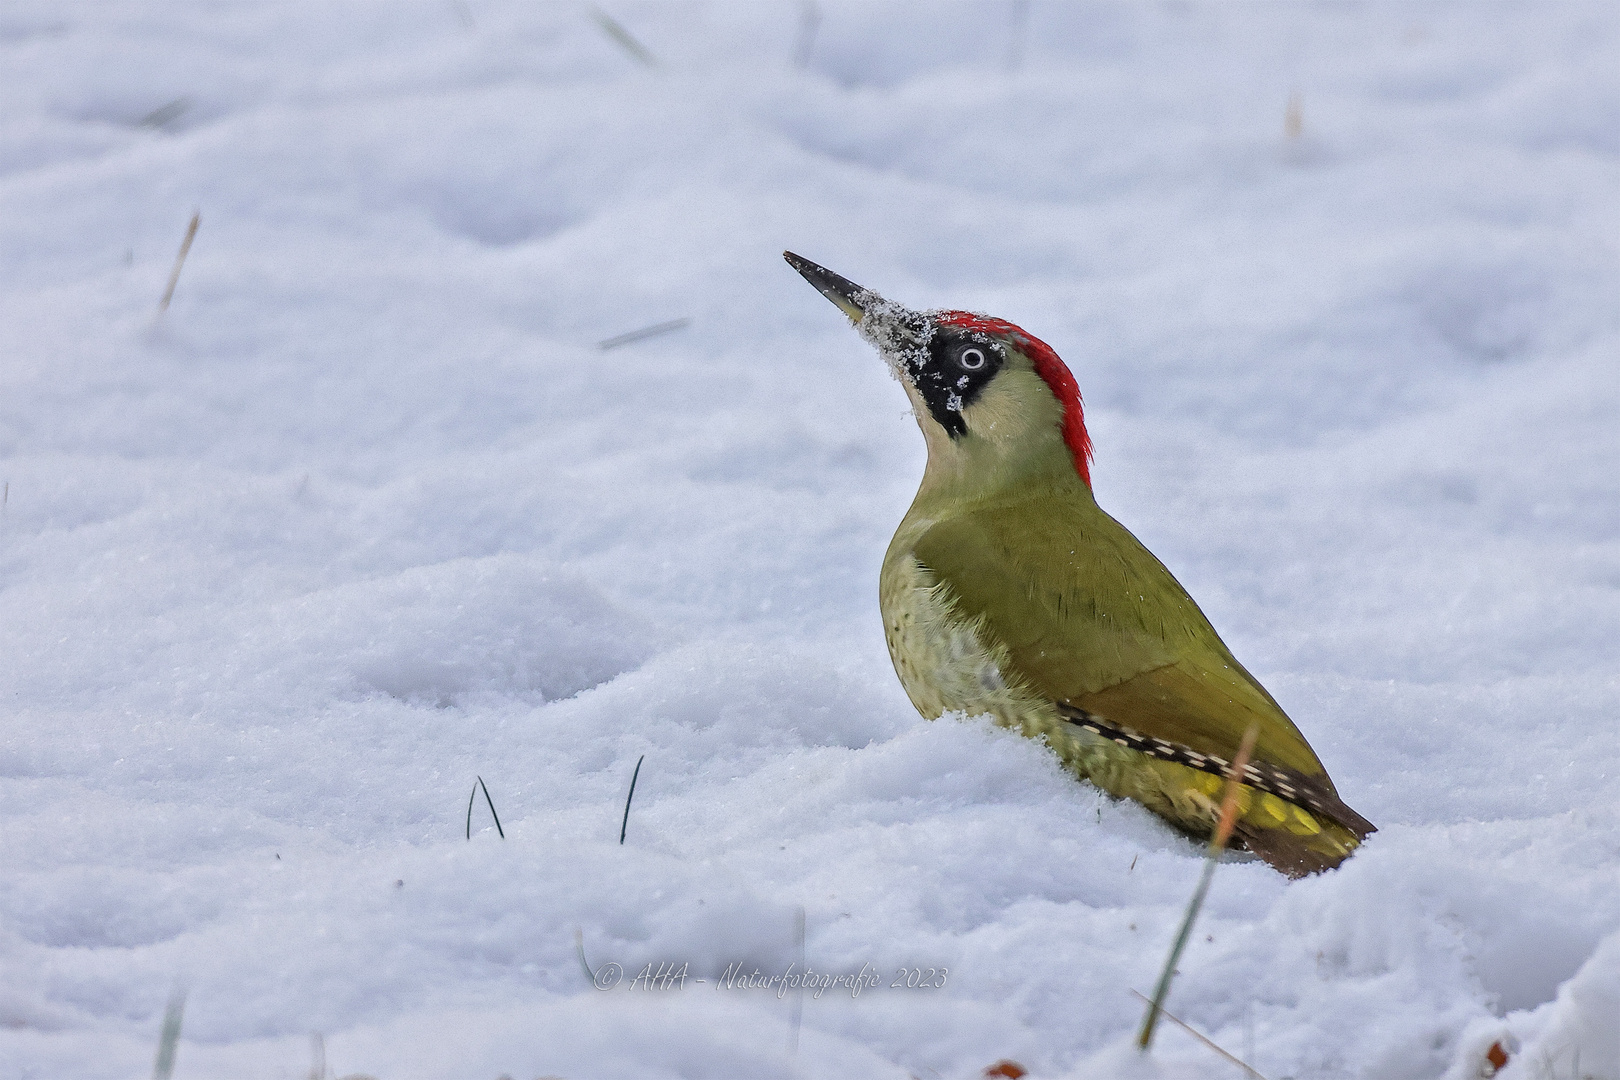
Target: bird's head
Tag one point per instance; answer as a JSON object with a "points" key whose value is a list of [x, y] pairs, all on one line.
{"points": [[995, 404]]}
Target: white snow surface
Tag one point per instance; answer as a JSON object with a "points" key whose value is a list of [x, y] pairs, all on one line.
{"points": [[367, 515]]}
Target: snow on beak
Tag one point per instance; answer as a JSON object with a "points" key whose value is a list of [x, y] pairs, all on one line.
{"points": [[900, 334]]}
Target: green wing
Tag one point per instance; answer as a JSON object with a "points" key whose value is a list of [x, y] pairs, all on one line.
{"points": [[1091, 619]]}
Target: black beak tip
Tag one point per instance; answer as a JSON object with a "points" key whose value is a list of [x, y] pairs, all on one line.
{"points": [[840, 290]]}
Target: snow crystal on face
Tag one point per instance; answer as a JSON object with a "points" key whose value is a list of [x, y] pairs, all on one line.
{"points": [[1053, 371], [900, 335]]}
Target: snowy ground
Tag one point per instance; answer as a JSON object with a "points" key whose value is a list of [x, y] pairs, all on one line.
{"points": [[368, 515]]}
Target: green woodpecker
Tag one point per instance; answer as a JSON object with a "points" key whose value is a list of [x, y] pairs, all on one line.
{"points": [[1008, 592]]}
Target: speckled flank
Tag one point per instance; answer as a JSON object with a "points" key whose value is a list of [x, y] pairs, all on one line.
{"points": [[942, 661], [946, 665]]}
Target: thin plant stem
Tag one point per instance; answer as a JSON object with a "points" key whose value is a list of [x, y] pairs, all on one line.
{"points": [[492, 812], [472, 798], [1201, 1037], [579, 950], [625, 824], [1018, 19], [643, 333], [317, 1056], [1217, 844], [161, 115], [611, 27], [169, 1041], [798, 998], [809, 23], [180, 261]]}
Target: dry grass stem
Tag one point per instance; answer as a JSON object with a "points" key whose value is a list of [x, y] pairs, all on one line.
{"points": [[180, 261], [798, 998], [169, 1041], [474, 798], [1201, 1037], [629, 44], [1018, 20], [579, 949], [161, 115], [809, 23], [644, 332], [1294, 117], [625, 824], [1217, 844], [492, 812]]}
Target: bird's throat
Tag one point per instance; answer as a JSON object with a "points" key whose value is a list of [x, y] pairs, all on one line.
{"points": [[1013, 446]]}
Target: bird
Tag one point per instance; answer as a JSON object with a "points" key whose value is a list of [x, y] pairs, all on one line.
{"points": [[1008, 592]]}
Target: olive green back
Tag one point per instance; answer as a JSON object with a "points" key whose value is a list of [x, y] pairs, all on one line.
{"points": [[1089, 617]]}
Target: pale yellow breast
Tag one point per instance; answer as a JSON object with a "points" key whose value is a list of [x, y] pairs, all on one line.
{"points": [[949, 664], [946, 663]]}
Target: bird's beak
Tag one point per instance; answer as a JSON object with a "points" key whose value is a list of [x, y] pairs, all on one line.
{"points": [[851, 299]]}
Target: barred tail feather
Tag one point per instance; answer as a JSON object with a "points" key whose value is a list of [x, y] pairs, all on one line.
{"points": [[1296, 823]]}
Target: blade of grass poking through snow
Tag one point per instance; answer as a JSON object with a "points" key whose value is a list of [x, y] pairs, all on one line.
{"points": [[1248, 1069], [798, 996], [492, 812], [625, 824], [612, 29], [317, 1056], [169, 1041], [179, 261], [474, 798], [1217, 844], [644, 332], [1017, 20], [579, 949], [164, 113], [809, 23]]}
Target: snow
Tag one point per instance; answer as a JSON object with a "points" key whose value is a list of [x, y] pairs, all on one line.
{"points": [[368, 515]]}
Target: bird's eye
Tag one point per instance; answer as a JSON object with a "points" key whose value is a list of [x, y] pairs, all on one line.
{"points": [[971, 359]]}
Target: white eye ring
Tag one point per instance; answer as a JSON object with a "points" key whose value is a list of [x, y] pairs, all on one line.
{"points": [[971, 359]]}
